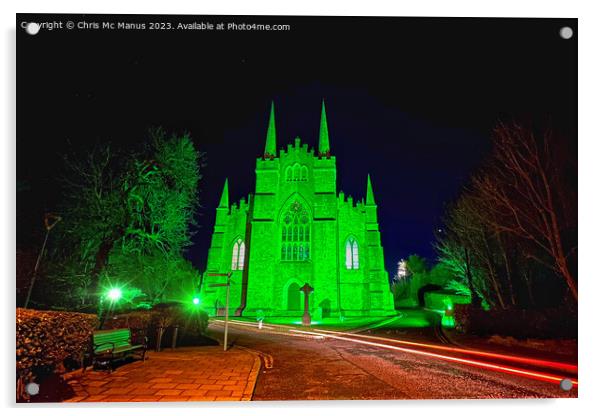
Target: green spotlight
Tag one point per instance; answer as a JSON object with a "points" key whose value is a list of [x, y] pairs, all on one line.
{"points": [[196, 300], [448, 321], [114, 294]]}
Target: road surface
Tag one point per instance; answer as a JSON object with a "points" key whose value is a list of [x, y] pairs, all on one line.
{"points": [[311, 364]]}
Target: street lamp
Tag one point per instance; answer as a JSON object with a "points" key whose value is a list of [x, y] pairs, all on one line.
{"points": [[50, 220], [114, 294], [227, 285]]}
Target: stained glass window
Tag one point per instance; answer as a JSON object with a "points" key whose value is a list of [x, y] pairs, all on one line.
{"points": [[295, 234], [238, 255], [352, 256]]}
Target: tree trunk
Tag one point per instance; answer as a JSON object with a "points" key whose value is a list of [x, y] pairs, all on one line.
{"points": [[492, 272], [474, 297], [568, 277], [507, 269], [102, 259], [527, 276]]}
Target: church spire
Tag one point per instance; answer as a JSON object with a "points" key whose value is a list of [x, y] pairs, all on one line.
{"points": [[324, 142], [369, 193], [224, 201], [270, 140]]}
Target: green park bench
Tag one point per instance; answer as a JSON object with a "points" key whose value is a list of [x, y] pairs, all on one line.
{"points": [[113, 344]]}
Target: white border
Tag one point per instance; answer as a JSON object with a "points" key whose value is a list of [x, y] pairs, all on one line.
{"points": [[590, 207]]}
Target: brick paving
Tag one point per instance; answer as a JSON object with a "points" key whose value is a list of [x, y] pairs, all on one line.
{"points": [[185, 374]]}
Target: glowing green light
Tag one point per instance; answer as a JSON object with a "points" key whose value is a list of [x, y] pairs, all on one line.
{"points": [[114, 294], [196, 300], [301, 322], [448, 321]]}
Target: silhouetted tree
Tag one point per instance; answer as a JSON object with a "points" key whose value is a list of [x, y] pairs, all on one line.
{"points": [[136, 204], [516, 216]]}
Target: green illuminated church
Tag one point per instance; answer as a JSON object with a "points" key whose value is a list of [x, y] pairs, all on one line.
{"points": [[296, 229]]}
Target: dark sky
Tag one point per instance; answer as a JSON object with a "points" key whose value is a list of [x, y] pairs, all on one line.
{"points": [[409, 100]]}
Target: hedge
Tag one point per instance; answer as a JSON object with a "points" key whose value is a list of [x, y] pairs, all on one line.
{"points": [[518, 323], [191, 321], [45, 339]]}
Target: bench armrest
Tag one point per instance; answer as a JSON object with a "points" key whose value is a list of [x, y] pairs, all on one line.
{"points": [[143, 342], [138, 337]]}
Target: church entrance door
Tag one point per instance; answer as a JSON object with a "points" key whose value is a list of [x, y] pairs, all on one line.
{"points": [[294, 297]]}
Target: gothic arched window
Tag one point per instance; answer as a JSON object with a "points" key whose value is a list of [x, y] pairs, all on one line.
{"points": [[295, 234], [352, 256], [303, 173], [238, 255], [296, 173]]}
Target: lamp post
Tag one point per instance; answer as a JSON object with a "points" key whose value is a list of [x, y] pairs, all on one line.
{"points": [[50, 220], [113, 294], [227, 285]]}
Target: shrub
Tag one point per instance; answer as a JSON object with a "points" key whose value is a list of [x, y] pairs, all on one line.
{"points": [[45, 339], [441, 300], [133, 320]]}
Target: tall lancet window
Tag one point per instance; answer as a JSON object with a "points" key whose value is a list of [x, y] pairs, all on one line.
{"points": [[352, 255], [238, 255], [295, 234]]}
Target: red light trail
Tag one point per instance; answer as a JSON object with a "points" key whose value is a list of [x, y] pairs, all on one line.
{"points": [[537, 375], [481, 364], [536, 362]]}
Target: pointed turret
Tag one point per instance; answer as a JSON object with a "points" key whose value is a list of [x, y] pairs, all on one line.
{"points": [[369, 193], [224, 201], [324, 142], [270, 140]]}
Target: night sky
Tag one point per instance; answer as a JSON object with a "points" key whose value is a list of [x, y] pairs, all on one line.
{"points": [[411, 101]]}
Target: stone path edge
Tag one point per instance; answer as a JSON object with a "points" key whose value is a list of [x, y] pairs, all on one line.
{"points": [[253, 375]]}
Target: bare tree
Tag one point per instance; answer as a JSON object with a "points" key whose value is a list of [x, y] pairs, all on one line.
{"points": [[523, 194]]}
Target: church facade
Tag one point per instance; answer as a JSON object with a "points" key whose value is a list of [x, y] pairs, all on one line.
{"points": [[296, 229]]}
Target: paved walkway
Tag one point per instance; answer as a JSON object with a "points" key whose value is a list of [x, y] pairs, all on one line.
{"points": [[186, 374]]}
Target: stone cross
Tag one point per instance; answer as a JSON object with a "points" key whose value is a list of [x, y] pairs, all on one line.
{"points": [[307, 289]]}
